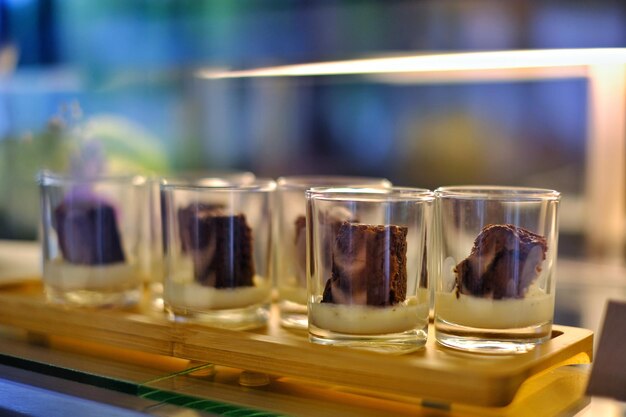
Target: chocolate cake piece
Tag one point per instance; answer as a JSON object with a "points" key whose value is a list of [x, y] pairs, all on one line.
{"points": [[88, 233], [503, 262], [368, 265], [220, 246]]}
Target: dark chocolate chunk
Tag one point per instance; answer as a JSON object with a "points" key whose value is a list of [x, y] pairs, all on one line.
{"points": [[368, 265], [88, 233], [220, 246], [327, 296], [503, 262]]}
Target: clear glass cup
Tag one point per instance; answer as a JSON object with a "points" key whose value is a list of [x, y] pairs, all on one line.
{"points": [[217, 252], [495, 273], [91, 237], [367, 267], [291, 239], [152, 249]]}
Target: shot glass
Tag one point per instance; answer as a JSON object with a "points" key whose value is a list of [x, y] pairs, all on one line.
{"points": [[368, 275], [91, 238], [153, 258], [291, 240], [497, 250], [217, 252]]}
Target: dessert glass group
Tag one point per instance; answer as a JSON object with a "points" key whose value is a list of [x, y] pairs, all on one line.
{"points": [[367, 266], [351, 259]]}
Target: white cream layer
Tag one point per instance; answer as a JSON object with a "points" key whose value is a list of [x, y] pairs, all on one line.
{"points": [[486, 313], [368, 320], [66, 276], [195, 296], [293, 294]]}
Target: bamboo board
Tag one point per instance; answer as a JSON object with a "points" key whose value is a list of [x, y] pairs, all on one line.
{"points": [[434, 374]]}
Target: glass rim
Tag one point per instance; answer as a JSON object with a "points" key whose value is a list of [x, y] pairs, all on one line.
{"points": [[47, 177], [304, 182], [205, 181], [258, 185], [238, 177], [370, 194], [496, 192]]}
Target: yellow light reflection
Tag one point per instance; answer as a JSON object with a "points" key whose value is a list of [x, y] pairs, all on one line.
{"points": [[475, 62]]}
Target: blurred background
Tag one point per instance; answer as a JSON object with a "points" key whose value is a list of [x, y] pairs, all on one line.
{"points": [[124, 73]]}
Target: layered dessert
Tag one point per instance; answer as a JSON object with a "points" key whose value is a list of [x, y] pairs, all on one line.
{"points": [[497, 285], [220, 273], [91, 246], [367, 290]]}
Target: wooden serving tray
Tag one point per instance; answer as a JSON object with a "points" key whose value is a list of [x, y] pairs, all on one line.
{"points": [[434, 374]]}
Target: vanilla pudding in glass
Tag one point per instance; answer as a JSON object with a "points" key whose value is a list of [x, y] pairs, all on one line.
{"points": [[91, 238], [368, 273], [495, 272], [217, 252], [290, 253]]}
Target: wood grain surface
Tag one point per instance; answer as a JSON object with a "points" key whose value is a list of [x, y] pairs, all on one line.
{"points": [[434, 373]]}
